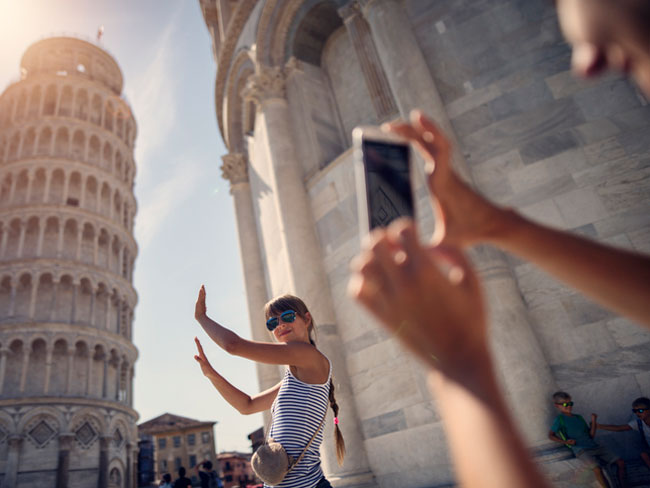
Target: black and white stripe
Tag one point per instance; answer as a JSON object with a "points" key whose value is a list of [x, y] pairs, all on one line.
{"points": [[297, 412]]}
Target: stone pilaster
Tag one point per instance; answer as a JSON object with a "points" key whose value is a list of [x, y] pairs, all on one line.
{"points": [[303, 262], [13, 457], [63, 465], [235, 169], [373, 73]]}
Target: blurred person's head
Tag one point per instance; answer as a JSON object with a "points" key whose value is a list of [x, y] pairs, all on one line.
{"points": [[167, 478], [207, 465], [608, 34], [562, 401], [181, 472], [641, 407]]}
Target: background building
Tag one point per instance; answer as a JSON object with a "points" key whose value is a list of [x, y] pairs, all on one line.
{"points": [[66, 263], [236, 469], [294, 77], [179, 441]]}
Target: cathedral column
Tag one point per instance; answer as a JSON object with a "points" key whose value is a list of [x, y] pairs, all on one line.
{"points": [[13, 457], [104, 443], [129, 466], [235, 169], [21, 239], [63, 465], [514, 344], [41, 236], [3, 366], [302, 257], [48, 368], [68, 381]]}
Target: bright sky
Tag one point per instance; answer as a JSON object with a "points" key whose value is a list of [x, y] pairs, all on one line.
{"points": [[185, 224]]}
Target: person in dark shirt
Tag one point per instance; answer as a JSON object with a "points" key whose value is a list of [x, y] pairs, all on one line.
{"points": [[208, 477], [182, 481]]}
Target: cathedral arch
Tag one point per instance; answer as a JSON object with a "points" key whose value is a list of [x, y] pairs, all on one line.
{"points": [[35, 384], [28, 143], [44, 142], [81, 104], [94, 150], [79, 146], [30, 241], [44, 297], [14, 145], [66, 103], [96, 110], [34, 102], [39, 181], [61, 142], [23, 297], [51, 95], [56, 186], [64, 299], [60, 365]]}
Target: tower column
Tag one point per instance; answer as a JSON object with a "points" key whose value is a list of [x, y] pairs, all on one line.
{"points": [[302, 257], [63, 465], [104, 443], [13, 457]]}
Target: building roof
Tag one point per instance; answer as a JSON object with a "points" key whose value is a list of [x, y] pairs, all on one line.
{"points": [[168, 422]]}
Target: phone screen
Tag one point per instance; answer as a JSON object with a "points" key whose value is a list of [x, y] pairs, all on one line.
{"points": [[388, 183]]}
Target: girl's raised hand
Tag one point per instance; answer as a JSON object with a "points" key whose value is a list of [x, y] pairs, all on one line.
{"points": [[206, 367], [200, 309]]}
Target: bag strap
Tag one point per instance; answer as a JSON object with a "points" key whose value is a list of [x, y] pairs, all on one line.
{"points": [[268, 431]]}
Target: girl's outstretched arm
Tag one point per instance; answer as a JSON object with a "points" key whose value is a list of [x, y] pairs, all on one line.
{"points": [[296, 353], [243, 403], [616, 278]]}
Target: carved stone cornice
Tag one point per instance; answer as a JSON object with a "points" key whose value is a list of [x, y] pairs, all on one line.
{"points": [[226, 51], [268, 83], [234, 168]]}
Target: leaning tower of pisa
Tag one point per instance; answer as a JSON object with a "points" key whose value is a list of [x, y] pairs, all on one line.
{"points": [[66, 263]]}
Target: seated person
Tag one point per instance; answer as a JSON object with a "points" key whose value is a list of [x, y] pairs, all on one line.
{"points": [[640, 423], [572, 431]]}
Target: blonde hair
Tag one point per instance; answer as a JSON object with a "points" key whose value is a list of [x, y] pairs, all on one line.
{"points": [[290, 302]]}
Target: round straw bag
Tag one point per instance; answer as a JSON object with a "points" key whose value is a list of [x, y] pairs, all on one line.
{"points": [[272, 463]]}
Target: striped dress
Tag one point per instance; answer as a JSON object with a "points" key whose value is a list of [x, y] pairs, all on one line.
{"points": [[297, 412]]}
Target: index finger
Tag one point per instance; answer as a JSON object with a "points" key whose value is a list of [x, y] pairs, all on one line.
{"points": [[198, 346]]}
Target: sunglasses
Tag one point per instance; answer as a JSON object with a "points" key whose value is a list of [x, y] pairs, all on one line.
{"points": [[286, 317], [639, 410], [565, 404]]}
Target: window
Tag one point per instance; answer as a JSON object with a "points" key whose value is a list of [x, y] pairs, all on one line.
{"points": [[177, 441], [191, 439], [205, 437], [163, 465], [228, 467], [192, 460], [162, 443], [177, 463]]}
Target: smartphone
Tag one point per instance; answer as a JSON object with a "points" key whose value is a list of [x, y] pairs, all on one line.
{"points": [[383, 178]]}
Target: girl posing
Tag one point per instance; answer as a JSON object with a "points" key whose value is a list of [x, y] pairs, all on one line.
{"points": [[299, 402]]}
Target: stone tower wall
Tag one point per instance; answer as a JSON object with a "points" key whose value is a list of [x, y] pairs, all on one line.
{"points": [[66, 264]]}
